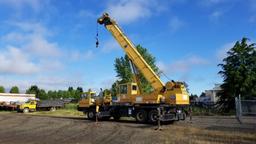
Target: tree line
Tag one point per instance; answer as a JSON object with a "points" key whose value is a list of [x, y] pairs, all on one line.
{"points": [[51, 94]]}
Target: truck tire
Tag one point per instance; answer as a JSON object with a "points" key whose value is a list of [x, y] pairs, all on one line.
{"points": [[25, 110], [116, 117], [141, 116], [52, 109], [153, 116], [91, 114]]}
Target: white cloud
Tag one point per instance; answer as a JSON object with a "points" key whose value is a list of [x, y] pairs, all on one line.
{"points": [[86, 13], [78, 55], [126, 11], [252, 5], [47, 82], [14, 61], [20, 4], [40, 46], [14, 37], [184, 65], [32, 38], [33, 51], [175, 24], [31, 27], [211, 2], [222, 51], [58, 82], [215, 16], [89, 54], [50, 65], [109, 46]]}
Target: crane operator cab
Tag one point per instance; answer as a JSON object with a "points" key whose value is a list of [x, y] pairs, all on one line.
{"points": [[127, 92], [87, 99]]}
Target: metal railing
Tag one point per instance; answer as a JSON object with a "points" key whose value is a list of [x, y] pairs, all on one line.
{"points": [[244, 108]]}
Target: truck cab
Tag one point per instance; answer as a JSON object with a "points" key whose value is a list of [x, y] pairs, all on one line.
{"points": [[28, 106], [90, 98], [87, 99]]}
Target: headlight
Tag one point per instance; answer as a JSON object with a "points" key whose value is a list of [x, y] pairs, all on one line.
{"points": [[162, 99]]}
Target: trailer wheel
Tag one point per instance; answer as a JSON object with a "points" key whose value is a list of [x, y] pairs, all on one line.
{"points": [[25, 110], [91, 114], [141, 116], [153, 116]]}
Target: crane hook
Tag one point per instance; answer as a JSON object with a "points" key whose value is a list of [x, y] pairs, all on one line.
{"points": [[97, 35], [97, 42]]}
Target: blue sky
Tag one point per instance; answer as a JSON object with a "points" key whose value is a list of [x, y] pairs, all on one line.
{"points": [[51, 43]]}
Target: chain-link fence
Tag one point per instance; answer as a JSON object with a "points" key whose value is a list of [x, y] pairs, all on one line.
{"points": [[245, 108]]}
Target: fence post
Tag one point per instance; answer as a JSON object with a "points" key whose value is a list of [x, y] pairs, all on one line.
{"points": [[238, 109]]}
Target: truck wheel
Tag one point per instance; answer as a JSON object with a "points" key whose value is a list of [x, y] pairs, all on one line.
{"points": [[91, 114], [141, 116], [105, 118], [116, 117], [25, 110], [153, 116], [52, 109]]}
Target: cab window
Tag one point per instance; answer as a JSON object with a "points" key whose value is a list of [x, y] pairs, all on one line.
{"points": [[134, 87], [93, 95], [84, 95], [123, 89]]}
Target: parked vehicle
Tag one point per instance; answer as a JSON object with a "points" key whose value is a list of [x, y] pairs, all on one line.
{"points": [[33, 105]]}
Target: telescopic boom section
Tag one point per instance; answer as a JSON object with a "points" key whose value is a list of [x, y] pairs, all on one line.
{"points": [[131, 51]]}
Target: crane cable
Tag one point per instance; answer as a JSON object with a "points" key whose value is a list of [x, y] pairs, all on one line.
{"points": [[161, 72], [97, 35]]}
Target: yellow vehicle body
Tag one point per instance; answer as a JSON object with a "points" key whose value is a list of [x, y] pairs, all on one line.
{"points": [[128, 93], [90, 98], [27, 106]]}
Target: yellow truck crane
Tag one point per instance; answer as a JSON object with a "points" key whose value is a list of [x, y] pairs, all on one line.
{"points": [[171, 97]]}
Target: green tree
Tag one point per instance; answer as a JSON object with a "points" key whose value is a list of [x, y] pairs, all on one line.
{"points": [[33, 90], [78, 92], [239, 74], [40, 93], [2, 89], [125, 73], [14, 89], [114, 89]]}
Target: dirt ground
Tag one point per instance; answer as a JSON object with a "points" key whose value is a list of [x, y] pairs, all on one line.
{"points": [[30, 129]]}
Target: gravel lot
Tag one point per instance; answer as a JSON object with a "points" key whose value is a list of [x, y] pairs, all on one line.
{"points": [[29, 129]]}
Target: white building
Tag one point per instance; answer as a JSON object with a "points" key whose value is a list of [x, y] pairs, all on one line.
{"points": [[211, 95], [11, 97]]}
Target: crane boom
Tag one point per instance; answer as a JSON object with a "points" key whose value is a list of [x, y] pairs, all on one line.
{"points": [[131, 52]]}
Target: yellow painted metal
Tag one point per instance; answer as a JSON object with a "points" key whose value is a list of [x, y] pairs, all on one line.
{"points": [[134, 55], [173, 93], [31, 105], [89, 98]]}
